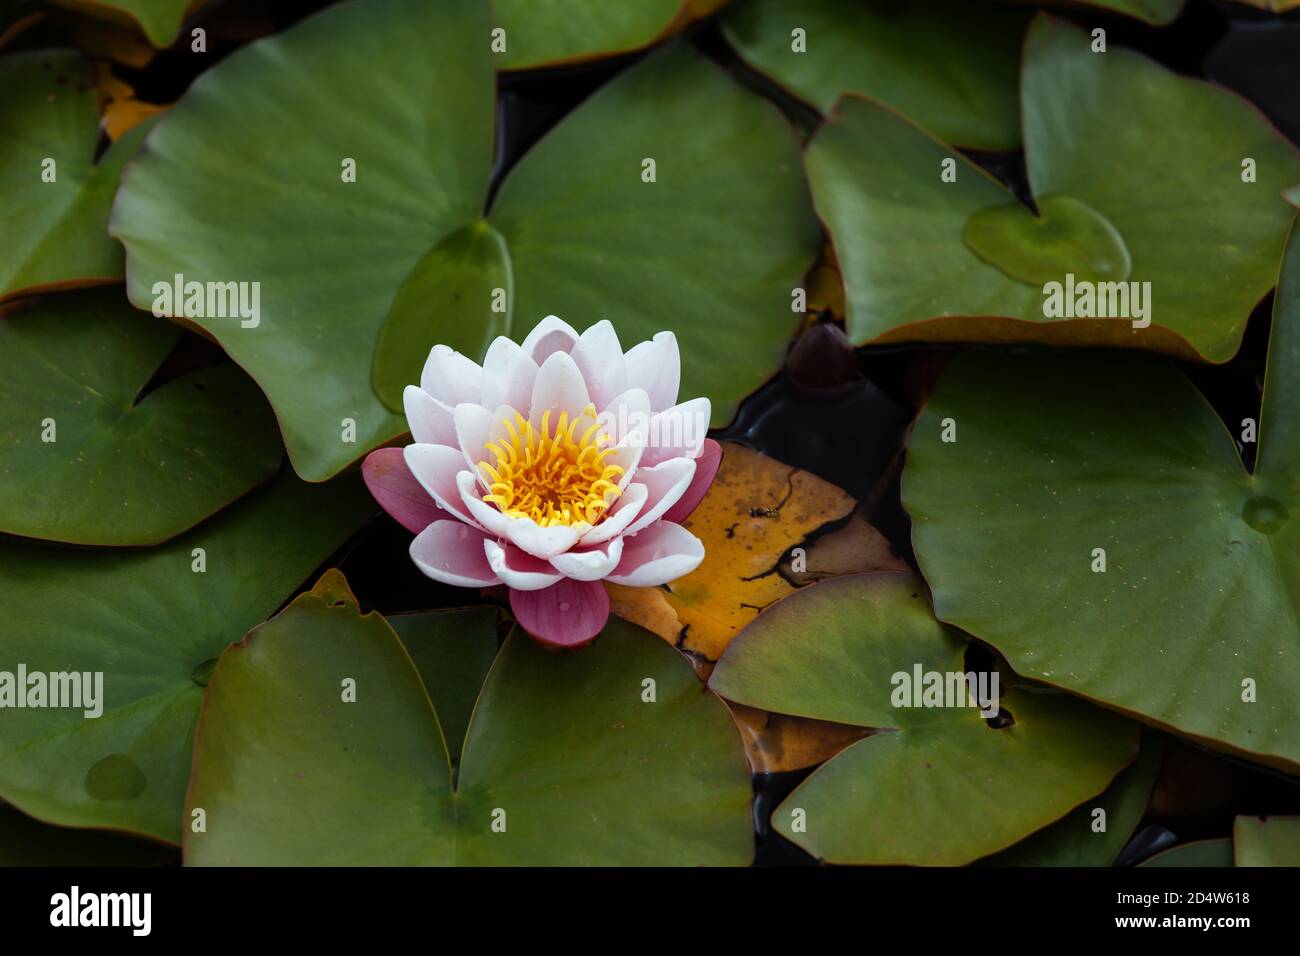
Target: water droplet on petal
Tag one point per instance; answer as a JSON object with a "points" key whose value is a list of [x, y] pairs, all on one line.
{"points": [[564, 606]]}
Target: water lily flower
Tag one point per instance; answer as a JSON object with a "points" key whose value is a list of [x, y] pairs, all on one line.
{"points": [[556, 465]]}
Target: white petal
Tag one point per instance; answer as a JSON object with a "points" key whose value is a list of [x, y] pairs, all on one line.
{"points": [[661, 553], [559, 387], [656, 366], [543, 542], [616, 520], [589, 565], [518, 570], [474, 425], [678, 432], [665, 483], [599, 358], [627, 412], [524, 532], [508, 375], [430, 420], [452, 553], [548, 336], [450, 377], [436, 468], [627, 455]]}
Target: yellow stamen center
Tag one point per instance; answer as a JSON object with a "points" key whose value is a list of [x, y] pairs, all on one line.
{"points": [[554, 477]]}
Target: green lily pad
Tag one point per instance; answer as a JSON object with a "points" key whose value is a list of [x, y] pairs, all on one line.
{"points": [[1198, 853], [1156, 12], [56, 231], [458, 295], [1075, 840], [550, 32], [159, 20], [950, 65], [903, 234], [1266, 841], [452, 650], [150, 623], [27, 842], [1065, 235], [711, 249], [1193, 622], [939, 786], [87, 459], [563, 754]]}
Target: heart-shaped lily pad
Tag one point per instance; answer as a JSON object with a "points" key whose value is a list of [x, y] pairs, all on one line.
{"points": [[1094, 523], [89, 459], [55, 195], [1065, 236], [922, 233], [1087, 837], [1266, 841], [950, 65], [611, 756], [159, 20], [549, 32], [151, 623], [635, 208], [939, 785]]}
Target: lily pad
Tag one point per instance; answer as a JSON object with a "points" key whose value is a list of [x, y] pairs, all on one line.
{"points": [[56, 196], [565, 762], [1266, 841], [89, 459], [1198, 853], [1156, 12], [452, 650], [551, 32], [152, 624], [634, 208], [950, 65], [1067, 464], [1083, 838], [159, 20], [929, 259], [938, 786]]}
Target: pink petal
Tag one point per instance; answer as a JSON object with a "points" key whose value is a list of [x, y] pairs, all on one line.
{"points": [[549, 336], [452, 552], [656, 366], [450, 377], [665, 483], [391, 483], [429, 420], [706, 467], [519, 570], [566, 615], [678, 432], [599, 358], [661, 553]]}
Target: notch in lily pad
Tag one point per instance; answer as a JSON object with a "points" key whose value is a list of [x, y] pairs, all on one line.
{"points": [[460, 294]]}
